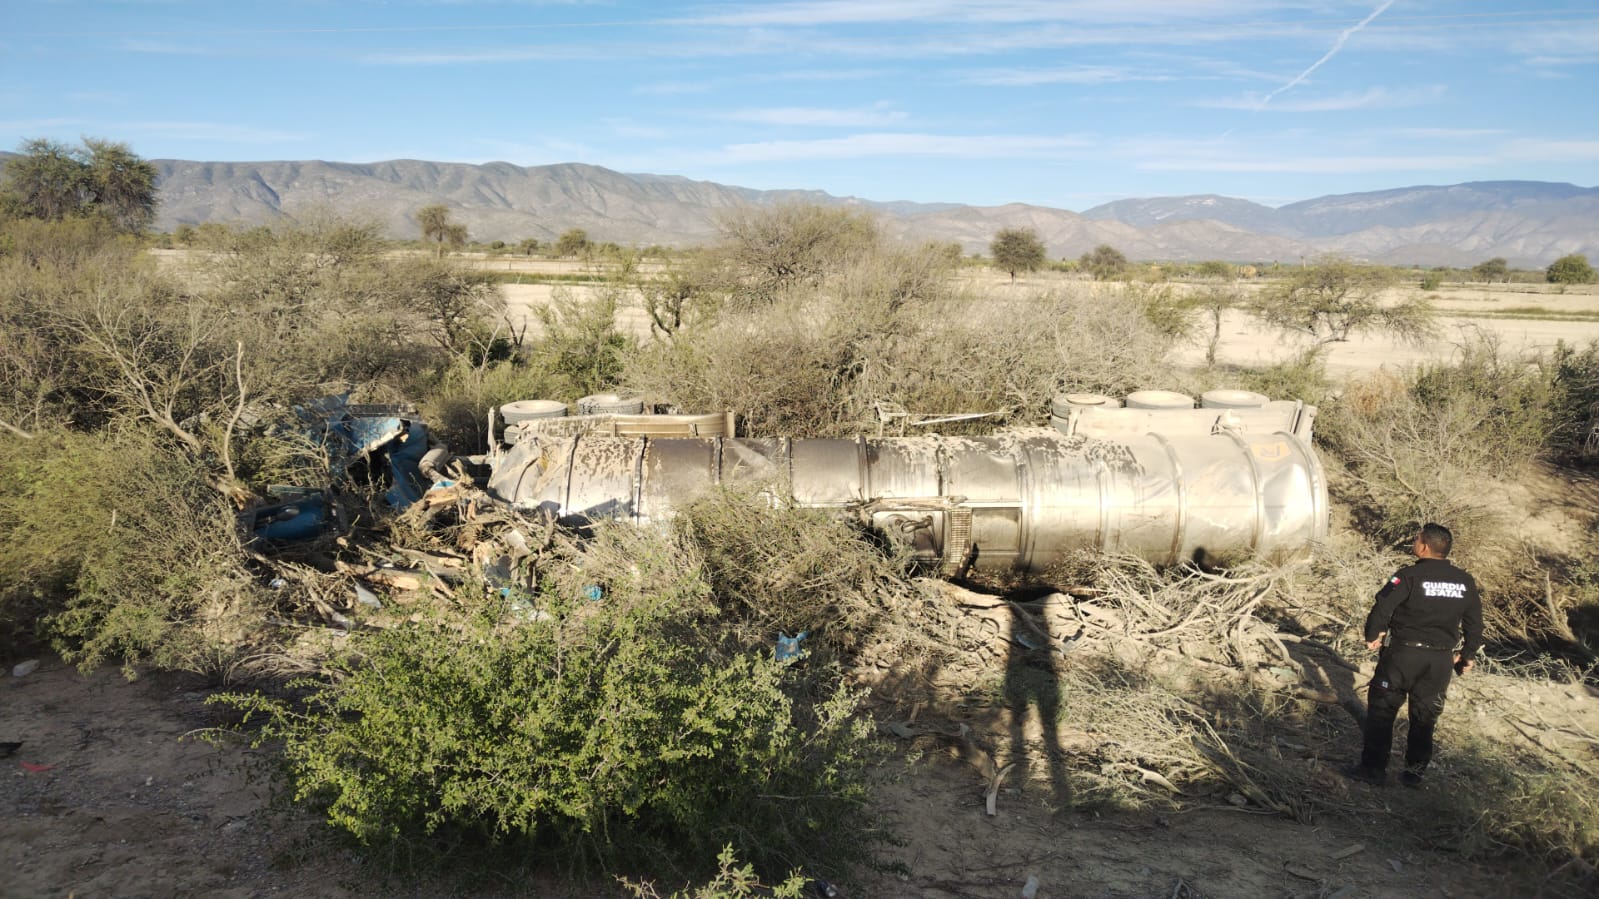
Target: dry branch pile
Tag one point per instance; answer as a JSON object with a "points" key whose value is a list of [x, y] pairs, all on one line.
{"points": [[1139, 678]]}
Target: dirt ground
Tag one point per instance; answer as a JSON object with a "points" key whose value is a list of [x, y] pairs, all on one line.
{"points": [[113, 794]]}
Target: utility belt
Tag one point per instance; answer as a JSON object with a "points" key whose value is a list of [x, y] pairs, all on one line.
{"points": [[1412, 644]]}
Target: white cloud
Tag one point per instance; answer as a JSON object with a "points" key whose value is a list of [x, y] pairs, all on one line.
{"points": [[670, 88], [1375, 98], [1066, 75], [544, 152], [1568, 44], [471, 57], [1449, 133], [630, 129], [1313, 165], [819, 75], [1000, 41], [39, 125], [879, 114], [102, 96], [859, 146], [675, 88], [175, 48], [863, 12]]}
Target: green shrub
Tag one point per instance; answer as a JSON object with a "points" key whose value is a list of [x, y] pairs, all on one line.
{"points": [[732, 881], [823, 363], [580, 343], [1303, 377], [1441, 443], [1572, 269], [119, 550], [773, 566], [1510, 800], [1575, 429], [1511, 398], [627, 732], [455, 400]]}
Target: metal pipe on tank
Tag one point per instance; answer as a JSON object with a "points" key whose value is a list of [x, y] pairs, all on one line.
{"points": [[1019, 501]]}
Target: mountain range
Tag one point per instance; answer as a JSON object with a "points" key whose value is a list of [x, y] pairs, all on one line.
{"points": [[1529, 223]]}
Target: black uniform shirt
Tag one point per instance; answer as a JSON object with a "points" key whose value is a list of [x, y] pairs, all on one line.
{"points": [[1429, 603]]}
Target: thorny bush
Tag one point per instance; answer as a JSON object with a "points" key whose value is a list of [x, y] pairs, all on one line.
{"points": [[632, 731], [122, 552], [1445, 442], [883, 334]]}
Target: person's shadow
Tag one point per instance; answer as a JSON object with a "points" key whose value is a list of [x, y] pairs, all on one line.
{"points": [[1032, 686], [1330, 678]]}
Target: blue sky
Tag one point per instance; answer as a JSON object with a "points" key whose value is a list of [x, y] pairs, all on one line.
{"points": [[1066, 104]]}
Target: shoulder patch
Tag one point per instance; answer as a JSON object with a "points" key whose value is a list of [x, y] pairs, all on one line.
{"points": [[1394, 582]]}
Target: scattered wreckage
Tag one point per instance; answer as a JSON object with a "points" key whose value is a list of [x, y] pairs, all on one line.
{"points": [[1160, 476], [388, 441]]}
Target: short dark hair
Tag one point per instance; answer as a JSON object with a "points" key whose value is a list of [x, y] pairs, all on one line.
{"points": [[1437, 538]]}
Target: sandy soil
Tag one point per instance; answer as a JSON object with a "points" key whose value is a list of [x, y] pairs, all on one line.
{"points": [[1516, 313], [112, 794], [1245, 342]]}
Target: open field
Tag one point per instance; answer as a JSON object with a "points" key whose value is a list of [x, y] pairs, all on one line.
{"points": [[1245, 342], [1526, 319]]}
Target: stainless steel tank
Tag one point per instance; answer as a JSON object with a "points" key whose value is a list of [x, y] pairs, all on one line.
{"points": [[1018, 501]]}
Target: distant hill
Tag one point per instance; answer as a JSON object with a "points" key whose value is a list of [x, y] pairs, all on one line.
{"points": [[1164, 210], [1530, 223], [496, 201]]}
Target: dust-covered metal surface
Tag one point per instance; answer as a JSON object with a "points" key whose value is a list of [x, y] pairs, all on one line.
{"points": [[1222, 410], [1016, 501]]}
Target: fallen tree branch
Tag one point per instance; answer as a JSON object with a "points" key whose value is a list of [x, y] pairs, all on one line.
{"points": [[15, 430], [1317, 644]]}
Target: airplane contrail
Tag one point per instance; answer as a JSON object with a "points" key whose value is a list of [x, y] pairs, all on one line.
{"points": [[1337, 45]]}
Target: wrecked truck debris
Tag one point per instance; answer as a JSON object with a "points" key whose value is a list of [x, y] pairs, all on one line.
{"points": [[385, 443], [1162, 479]]}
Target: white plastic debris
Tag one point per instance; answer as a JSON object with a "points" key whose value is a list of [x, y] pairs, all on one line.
{"points": [[24, 669], [367, 598]]}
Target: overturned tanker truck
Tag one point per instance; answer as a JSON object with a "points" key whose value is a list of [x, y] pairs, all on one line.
{"points": [[1234, 477]]}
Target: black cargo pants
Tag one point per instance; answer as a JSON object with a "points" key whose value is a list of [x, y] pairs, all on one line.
{"points": [[1420, 675]]}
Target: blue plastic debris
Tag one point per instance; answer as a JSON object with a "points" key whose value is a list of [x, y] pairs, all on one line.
{"points": [[298, 519], [400, 442], [386, 438], [788, 648], [594, 592]]}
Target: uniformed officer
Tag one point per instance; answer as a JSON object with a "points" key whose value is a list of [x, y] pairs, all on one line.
{"points": [[1424, 610]]}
